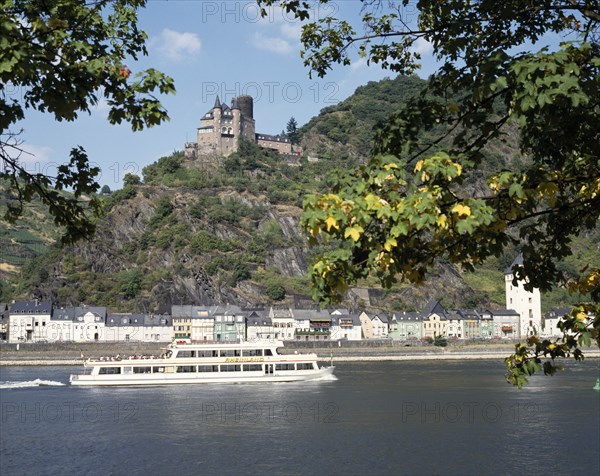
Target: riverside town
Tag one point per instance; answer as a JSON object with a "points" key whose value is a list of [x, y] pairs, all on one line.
{"points": [[42, 321]]}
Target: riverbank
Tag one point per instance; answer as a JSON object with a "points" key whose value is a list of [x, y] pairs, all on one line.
{"points": [[75, 354]]}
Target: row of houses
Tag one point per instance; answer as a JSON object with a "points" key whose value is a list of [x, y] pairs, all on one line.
{"points": [[41, 321]]}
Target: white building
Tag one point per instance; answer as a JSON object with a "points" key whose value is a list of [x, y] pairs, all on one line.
{"points": [[506, 323], [526, 303], [88, 324], [380, 325], [259, 326], [551, 320], [345, 327], [125, 328], [454, 326], [312, 324], [29, 321], [157, 328], [283, 322]]}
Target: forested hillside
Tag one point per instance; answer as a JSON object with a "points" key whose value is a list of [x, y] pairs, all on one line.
{"points": [[190, 232]]}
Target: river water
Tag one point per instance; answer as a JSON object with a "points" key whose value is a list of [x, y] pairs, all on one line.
{"points": [[442, 417]]}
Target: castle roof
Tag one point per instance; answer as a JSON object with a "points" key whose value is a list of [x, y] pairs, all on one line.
{"points": [[517, 262], [217, 103], [271, 138], [235, 104]]}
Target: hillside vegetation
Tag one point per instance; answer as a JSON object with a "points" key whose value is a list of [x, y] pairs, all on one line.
{"points": [[196, 232]]}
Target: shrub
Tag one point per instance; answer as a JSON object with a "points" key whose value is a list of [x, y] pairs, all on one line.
{"points": [[276, 292]]}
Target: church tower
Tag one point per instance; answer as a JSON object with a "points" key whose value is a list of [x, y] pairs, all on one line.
{"points": [[527, 303]]}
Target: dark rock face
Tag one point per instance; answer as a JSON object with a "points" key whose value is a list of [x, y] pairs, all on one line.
{"points": [[119, 246]]}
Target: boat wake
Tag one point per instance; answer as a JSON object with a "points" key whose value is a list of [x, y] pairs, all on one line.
{"points": [[31, 383], [326, 378]]}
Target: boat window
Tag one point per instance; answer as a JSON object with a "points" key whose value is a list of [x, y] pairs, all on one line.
{"points": [[142, 370], [252, 353], [184, 369], [231, 368], [284, 366], [109, 370], [230, 353], [208, 368], [127, 370], [186, 354], [304, 366], [158, 370], [208, 353], [252, 367], [268, 352]]}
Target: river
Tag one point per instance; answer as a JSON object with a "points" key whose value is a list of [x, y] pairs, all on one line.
{"points": [[413, 418]]}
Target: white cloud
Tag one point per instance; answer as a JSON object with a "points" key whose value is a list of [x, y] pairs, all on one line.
{"points": [[422, 46], [269, 43], [28, 153], [359, 63], [291, 31], [174, 46]]}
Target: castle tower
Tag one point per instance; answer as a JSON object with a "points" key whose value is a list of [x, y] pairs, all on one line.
{"points": [[246, 104], [237, 122], [526, 303]]}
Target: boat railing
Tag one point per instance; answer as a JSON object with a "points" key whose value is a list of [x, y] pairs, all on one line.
{"points": [[118, 358]]}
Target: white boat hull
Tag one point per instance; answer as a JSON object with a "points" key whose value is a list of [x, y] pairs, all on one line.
{"points": [[200, 378]]}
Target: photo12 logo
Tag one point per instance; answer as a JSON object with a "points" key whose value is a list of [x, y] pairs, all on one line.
{"points": [[252, 12], [267, 412], [468, 412], [66, 412], [272, 91]]}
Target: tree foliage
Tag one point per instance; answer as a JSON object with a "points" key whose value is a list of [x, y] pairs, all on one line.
{"points": [[412, 205], [65, 56], [276, 292], [291, 130]]}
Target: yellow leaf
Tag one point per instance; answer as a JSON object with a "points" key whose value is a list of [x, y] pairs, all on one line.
{"points": [[384, 260], [331, 223], [458, 169], [353, 232], [461, 209], [419, 166], [389, 243], [372, 201], [442, 221]]}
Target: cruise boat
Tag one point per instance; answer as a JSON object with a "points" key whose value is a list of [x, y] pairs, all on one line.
{"points": [[183, 362]]}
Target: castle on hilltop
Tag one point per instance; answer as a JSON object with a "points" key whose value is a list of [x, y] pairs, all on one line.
{"points": [[222, 127]]}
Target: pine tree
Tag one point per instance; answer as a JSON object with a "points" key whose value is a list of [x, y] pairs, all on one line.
{"points": [[292, 130]]}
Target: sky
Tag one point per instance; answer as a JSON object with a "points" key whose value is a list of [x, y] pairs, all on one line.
{"points": [[209, 48]]}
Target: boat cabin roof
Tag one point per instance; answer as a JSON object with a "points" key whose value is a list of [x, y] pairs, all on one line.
{"points": [[263, 344]]}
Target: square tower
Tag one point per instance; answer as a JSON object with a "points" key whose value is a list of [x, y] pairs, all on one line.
{"points": [[527, 303]]}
